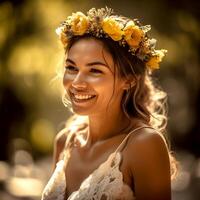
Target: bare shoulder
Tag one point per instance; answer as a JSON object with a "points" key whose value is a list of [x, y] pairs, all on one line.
{"points": [[147, 139], [59, 144], [149, 164], [61, 137]]}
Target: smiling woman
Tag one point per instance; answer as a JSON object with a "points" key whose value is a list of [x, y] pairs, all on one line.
{"points": [[114, 148], [91, 74]]}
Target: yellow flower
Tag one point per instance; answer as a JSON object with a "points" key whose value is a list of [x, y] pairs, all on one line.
{"points": [[79, 23], [133, 34], [154, 61], [64, 39], [112, 28], [61, 33]]}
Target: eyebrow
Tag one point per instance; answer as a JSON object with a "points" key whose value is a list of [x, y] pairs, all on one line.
{"points": [[89, 64]]}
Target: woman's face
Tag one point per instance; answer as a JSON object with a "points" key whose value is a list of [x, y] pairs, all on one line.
{"points": [[89, 79]]}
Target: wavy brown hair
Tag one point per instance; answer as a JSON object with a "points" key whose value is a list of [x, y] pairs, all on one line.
{"points": [[145, 100]]}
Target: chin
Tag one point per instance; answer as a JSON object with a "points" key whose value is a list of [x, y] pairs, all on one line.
{"points": [[81, 111]]}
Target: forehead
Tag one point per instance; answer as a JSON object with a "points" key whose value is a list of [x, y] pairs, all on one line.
{"points": [[89, 50]]}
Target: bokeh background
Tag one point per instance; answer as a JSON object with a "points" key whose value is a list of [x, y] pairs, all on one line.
{"points": [[31, 110]]}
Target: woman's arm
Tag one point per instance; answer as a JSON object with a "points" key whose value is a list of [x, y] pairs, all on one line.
{"points": [[150, 166]]}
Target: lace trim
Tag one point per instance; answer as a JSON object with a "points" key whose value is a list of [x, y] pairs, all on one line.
{"points": [[56, 187], [106, 182]]}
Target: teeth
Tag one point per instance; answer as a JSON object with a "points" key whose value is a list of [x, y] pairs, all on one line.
{"points": [[82, 96]]}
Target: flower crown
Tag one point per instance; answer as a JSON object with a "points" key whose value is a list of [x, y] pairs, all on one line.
{"points": [[103, 23]]}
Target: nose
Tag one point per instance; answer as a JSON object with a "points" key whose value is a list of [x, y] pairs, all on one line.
{"points": [[79, 82]]}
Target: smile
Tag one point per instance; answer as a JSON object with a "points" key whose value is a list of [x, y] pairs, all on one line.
{"points": [[81, 98]]}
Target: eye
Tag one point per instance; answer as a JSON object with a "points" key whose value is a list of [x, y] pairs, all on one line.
{"points": [[71, 68], [96, 71]]}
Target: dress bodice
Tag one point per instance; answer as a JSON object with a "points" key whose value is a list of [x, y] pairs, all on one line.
{"points": [[104, 183]]}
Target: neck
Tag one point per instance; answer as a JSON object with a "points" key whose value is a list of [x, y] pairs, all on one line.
{"points": [[107, 125]]}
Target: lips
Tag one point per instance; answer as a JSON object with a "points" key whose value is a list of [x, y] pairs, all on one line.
{"points": [[81, 98]]}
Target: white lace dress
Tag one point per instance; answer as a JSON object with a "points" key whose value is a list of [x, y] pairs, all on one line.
{"points": [[104, 183]]}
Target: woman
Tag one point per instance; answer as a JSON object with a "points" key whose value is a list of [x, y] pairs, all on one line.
{"points": [[114, 147]]}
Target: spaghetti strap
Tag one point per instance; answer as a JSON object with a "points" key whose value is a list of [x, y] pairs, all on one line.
{"points": [[120, 147]]}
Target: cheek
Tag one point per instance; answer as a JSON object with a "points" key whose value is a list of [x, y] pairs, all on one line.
{"points": [[68, 79], [103, 85], [101, 81]]}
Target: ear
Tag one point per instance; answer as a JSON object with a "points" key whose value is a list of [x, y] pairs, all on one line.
{"points": [[129, 82]]}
